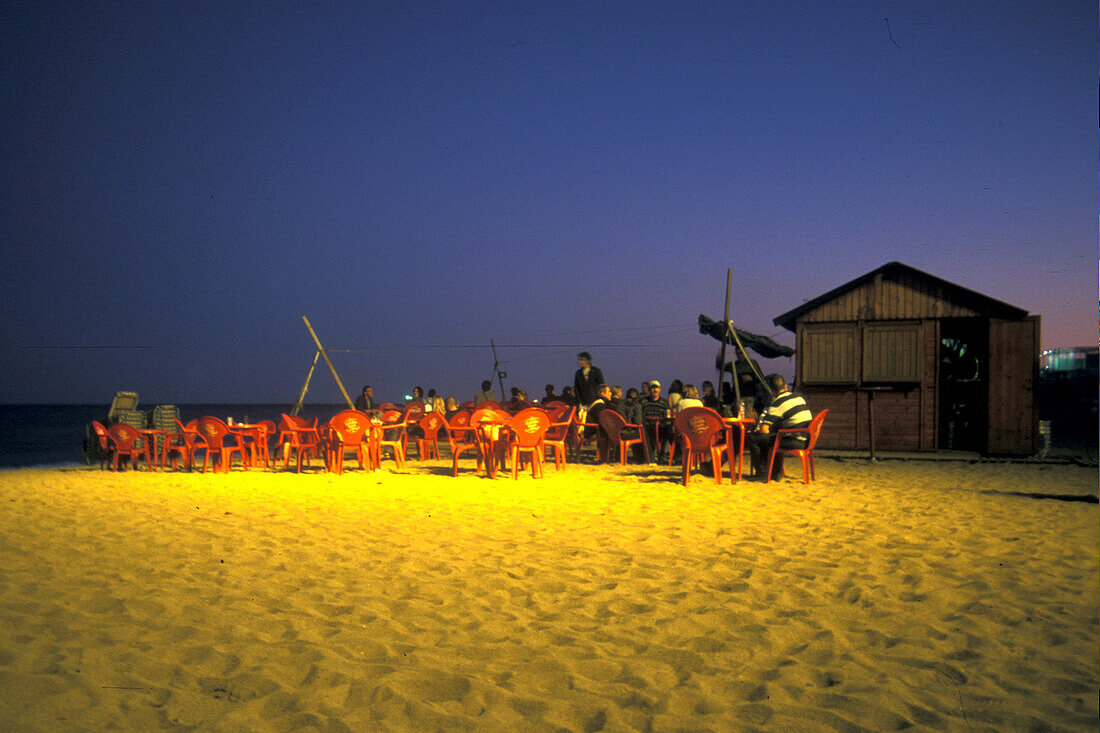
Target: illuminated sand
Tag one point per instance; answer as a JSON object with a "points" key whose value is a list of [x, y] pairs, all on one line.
{"points": [[881, 597]]}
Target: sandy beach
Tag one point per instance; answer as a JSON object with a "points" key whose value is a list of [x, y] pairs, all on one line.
{"points": [[888, 596]]}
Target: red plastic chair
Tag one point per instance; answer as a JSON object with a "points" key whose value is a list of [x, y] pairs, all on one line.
{"points": [[557, 435], [349, 430], [105, 448], [701, 433], [390, 434], [806, 454], [411, 415], [613, 424], [181, 445], [127, 442], [462, 438], [214, 434], [485, 424], [527, 429], [264, 444], [427, 443], [300, 436]]}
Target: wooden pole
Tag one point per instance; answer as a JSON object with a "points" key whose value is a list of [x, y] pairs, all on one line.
{"points": [[722, 353], [871, 421], [496, 368], [305, 385], [321, 350]]}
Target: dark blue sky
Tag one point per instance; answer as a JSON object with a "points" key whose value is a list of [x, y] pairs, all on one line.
{"points": [[183, 181]]}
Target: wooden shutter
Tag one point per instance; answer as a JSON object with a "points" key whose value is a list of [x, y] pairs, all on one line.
{"points": [[828, 354], [891, 352]]}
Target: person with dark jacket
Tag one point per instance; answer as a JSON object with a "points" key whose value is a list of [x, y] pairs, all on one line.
{"points": [[587, 380], [366, 401]]}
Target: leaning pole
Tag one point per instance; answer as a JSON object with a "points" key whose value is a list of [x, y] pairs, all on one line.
{"points": [[321, 351]]}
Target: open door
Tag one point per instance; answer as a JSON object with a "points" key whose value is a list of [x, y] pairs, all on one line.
{"points": [[1013, 380]]}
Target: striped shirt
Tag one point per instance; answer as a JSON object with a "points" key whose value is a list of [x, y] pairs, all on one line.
{"points": [[787, 410]]}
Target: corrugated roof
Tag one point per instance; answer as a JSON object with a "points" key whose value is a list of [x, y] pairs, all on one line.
{"points": [[994, 307]]}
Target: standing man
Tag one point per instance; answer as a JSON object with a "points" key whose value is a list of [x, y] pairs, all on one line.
{"points": [[787, 410], [652, 413], [365, 401], [587, 380]]}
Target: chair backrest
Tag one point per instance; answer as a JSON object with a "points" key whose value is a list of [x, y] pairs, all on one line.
{"points": [[815, 428], [612, 422], [269, 428], [560, 421], [699, 426], [431, 424], [457, 434], [212, 430], [413, 412], [529, 426], [350, 425], [123, 436], [101, 433], [553, 405], [489, 403], [561, 412]]}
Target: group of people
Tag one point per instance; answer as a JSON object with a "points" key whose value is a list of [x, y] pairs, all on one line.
{"points": [[776, 406]]}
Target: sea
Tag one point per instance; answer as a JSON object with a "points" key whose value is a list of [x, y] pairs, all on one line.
{"points": [[53, 435]]}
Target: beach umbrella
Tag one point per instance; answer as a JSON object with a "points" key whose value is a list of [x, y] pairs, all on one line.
{"points": [[730, 334]]}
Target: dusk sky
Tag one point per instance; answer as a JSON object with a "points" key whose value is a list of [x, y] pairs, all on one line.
{"points": [[182, 182]]}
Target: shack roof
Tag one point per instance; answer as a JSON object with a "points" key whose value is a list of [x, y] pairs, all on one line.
{"points": [[897, 271]]}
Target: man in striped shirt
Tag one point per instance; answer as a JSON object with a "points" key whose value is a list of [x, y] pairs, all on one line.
{"points": [[787, 410]]}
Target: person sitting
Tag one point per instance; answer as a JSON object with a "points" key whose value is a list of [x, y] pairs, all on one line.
{"points": [[550, 395], [675, 392], [690, 398], [592, 417], [450, 408], [630, 407], [652, 411], [486, 394], [568, 396], [365, 402], [618, 400], [786, 411], [519, 399], [709, 397]]}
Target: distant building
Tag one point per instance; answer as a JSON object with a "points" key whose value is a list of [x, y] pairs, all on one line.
{"points": [[1068, 381], [1072, 359], [930, 364]]}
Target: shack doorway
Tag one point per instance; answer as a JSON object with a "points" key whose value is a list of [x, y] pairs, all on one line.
{"points": [[964, 384]]}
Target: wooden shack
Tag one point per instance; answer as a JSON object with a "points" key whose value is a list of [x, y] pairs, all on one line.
{"points": [[926, 363]]}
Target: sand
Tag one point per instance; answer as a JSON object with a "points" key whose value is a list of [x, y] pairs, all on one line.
{"points": [[887, 596]]}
